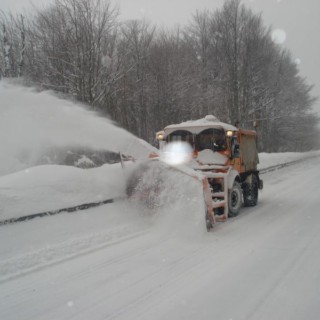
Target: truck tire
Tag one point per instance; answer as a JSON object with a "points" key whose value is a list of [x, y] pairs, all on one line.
{"points": [[209, 224], [235, 199], [250, 192]]}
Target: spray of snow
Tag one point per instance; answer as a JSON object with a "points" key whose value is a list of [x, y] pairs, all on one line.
{"points": [[172, 196], [181, 209], [32, 123]]}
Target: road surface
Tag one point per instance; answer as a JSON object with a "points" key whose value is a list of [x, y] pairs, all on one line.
{"points": [[116, 262]]}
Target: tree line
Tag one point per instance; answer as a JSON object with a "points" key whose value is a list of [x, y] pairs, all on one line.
{"points": [[223, 62]]}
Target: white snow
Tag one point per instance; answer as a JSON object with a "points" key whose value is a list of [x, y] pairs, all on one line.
{"points": [[51, 187], [121, 261], [127, 261], [207, 156], [272, 159], [84, 162], [32, 123], [196, 126]]}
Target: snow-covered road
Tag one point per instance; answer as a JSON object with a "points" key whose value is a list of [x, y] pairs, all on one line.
{"points": [[116, 262]]}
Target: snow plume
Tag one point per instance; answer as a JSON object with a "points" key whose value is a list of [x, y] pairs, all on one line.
{"points": [[174, 197], [182, 209], [33, 123]]}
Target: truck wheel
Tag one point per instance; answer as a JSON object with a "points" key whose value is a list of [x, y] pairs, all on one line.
{"points": [[209, 223], [250, 192], [235, 199]]}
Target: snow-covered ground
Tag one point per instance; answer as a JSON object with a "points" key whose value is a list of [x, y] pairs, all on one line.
{"points": [[53, 187], [120, 262], [268, 160], [126, 261]]}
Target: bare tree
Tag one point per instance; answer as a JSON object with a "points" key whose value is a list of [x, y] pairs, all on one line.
{"points": [[23, 47], [224, 62], [137, 37], [74, 40], [6, 52]]}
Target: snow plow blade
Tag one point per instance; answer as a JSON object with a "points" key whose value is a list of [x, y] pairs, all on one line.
{"points": [[155, 183]]}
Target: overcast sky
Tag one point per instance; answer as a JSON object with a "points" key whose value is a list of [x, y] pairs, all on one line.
{"points": [[297, 20]]}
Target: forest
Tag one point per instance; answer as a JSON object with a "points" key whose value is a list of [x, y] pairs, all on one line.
{"points": [[223, 62]]}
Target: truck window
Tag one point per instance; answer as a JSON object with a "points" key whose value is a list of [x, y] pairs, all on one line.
{"points": [[181, 135], [213, 139]]}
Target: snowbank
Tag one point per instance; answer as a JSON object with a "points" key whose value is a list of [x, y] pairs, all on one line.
{"points": [[51, 187], [272, 159]]}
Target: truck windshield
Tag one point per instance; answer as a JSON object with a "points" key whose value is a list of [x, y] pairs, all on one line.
{"points": [[213, 139], [181, 135]]}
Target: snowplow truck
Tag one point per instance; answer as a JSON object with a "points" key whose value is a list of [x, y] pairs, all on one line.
{"points": [[226, 158]]}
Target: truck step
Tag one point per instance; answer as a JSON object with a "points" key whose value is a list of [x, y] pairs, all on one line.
{"points": [[216, 175], [218, 204], [218, 195]]}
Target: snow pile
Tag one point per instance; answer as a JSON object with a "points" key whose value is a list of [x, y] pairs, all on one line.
{"points": [[51, 187], [84, 162], [272, 159]]}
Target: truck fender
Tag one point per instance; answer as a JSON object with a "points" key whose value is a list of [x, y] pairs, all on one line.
{"points": [[232, 176], [249, 179]]}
